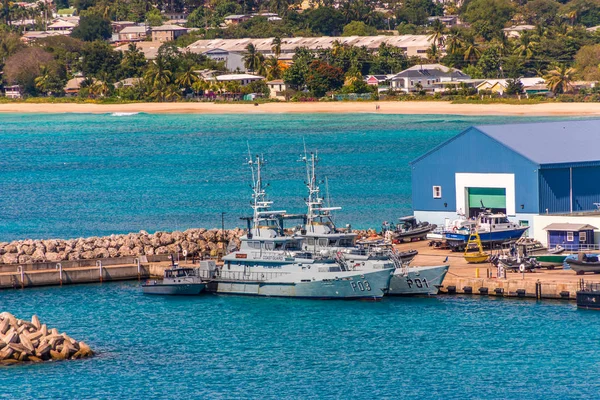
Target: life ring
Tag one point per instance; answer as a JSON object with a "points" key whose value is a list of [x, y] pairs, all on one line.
{"points": [[522, 267], [454, 229], [184, 253]]}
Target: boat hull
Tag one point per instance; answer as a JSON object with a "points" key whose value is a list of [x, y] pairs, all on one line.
{"points": [[180, 289], [418, 281], [550, 260], [457, 239], [346, 285], [589, 300]]}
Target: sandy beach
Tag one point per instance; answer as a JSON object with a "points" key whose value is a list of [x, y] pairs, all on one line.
{"points": [[396, 107]]}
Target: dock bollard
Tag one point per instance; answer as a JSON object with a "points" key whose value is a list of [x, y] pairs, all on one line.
{"points": [[538, 290], [99, 265], [60, 277], [21, 271], [139, 269]]}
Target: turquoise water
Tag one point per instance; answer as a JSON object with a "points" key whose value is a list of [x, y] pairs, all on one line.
{"points": [[228, 347], [80, 175], [72, 175]]}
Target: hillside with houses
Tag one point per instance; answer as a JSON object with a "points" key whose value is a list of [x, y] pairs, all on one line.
{"points": [[300, 50]]}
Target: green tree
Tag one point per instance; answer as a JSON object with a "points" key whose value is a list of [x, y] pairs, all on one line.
{"points": [[488, 17], [92, 27], [489, 63], [527, 45], [186, 78], [587, 62], [253, 59], [324, 20], [359, 28], [99, 57], [295, 76], [133, 63], [559, 80], [417, 11], [323, 77], [273, 68], [514, 86], [438, 30], [276, 46], [154, 17]]}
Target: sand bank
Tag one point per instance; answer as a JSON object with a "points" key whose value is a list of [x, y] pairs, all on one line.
{"points": [[396, 107]]}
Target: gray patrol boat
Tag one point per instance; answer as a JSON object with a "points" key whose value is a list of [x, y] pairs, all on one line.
{"points": [[266, 265], [323, 239], [177, 281]]}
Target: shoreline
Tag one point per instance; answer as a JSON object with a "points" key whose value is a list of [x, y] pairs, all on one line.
{"points": [[386, 107]]}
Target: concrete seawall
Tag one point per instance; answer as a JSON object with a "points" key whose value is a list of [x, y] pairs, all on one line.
{"points": [[26, 276]]}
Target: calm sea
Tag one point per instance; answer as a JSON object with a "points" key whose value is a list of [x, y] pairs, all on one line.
{"points": [[80, 175], [73, 175], [229, 347]]}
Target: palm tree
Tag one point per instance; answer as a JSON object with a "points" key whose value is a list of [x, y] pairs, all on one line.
{"points": [[526, 46], [253, 59], [437, 32], [158, 75], [276, 46], [187, 78], [41, 82], [273, 68], [433, 53], [454, 42], [559, 79], [471, 50], [200, 86]]}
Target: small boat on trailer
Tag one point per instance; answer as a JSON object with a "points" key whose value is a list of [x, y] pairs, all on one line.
{"points": [[582, 263], [176, 281], [588, 295], [410, 228]]}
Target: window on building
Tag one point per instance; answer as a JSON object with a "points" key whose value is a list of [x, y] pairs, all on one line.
{"points": [[582, 237], [437, 192], [569, 236]]}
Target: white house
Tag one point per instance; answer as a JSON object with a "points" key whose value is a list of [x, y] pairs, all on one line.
{"points": [[276, 89], [427, 76]]}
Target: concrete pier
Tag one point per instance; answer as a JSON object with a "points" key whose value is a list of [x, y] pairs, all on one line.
{"points": [[481, 279]]}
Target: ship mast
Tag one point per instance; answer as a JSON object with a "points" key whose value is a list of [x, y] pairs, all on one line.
{"points": [[316, 212], [261, 216]]}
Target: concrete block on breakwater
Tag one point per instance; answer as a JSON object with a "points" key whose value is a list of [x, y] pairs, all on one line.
{"points": [[199, 242], [24, 341]]}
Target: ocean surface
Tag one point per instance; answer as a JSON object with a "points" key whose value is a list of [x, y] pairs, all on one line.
{"points": [[230, 347], [81, 175], [74, 175]]}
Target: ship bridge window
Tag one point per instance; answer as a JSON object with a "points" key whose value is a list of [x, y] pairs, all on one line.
{"points": [[332, 242], [311, 241], [254, 245], [346, 242], [269, 246], [323, 242], [292, 246], [278, 246]]}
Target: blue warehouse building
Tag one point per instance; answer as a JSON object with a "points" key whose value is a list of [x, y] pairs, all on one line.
{"points": [[523, 170]]}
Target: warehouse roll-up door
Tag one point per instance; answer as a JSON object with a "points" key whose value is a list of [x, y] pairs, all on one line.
{"points": [[491, 198]]}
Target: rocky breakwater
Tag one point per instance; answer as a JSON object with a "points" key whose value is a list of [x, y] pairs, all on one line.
{"points": [[23, 341], [195, 242]]}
